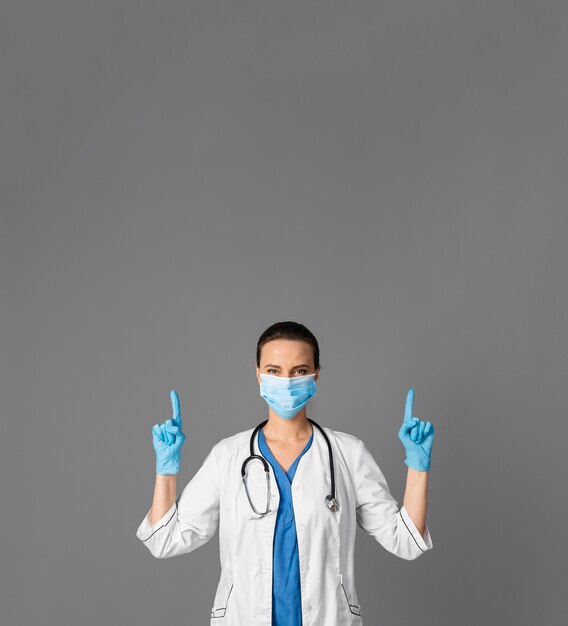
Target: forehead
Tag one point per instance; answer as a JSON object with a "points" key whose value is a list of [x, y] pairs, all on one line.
{"points": [[285, 350]]}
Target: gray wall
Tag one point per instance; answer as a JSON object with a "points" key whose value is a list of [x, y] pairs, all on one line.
{"points": [[177, 176]]}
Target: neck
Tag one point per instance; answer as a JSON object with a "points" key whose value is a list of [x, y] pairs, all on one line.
{"points": [[295, 429]]}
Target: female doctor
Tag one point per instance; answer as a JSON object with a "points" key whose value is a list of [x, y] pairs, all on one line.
{"points": [[286, 497]]}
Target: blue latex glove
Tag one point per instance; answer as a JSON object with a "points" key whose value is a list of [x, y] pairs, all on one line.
{"points": [[168, 440], [417, 437]]}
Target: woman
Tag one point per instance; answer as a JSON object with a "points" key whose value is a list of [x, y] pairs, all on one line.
{"points": [[286, 505]]}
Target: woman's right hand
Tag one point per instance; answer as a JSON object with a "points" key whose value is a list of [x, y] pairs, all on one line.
{"points": [[168, 440]]}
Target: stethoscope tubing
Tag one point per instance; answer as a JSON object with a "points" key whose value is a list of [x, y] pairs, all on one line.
{"points": [[330, 500]]}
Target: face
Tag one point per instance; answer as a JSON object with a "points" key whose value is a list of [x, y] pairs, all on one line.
{"points": [[286, 358]]}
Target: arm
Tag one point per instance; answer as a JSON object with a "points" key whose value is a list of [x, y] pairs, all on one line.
{"points": [[164, 496], [416, 497], [379, 514], [188, 522]]}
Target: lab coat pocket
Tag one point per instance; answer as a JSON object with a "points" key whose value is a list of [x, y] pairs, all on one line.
{"points": [[221, 602], [350, 599]]}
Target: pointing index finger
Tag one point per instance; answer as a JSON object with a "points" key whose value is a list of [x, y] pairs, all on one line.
{"points": [[408, 406], [176, 413]]}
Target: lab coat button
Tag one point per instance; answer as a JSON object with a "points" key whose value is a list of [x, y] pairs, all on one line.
{"points": [[296, 487]]}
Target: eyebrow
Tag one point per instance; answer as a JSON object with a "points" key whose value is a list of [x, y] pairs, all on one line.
{"points": [[295, 366]]}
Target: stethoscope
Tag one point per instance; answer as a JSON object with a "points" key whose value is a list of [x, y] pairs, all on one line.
{"points": [[330, 500]]}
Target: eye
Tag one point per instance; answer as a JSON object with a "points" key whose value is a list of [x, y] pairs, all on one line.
{"points": [[271, 370], [302, 370]]}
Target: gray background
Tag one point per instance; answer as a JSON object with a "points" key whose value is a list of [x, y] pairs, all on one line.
{"points": [[177, 176]]}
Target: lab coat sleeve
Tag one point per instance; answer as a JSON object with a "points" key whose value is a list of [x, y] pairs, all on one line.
{"points": [[379, 514], [193, 518]]}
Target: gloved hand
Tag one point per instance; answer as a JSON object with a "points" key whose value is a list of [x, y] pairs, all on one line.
{"points": [[168, 440], [417, 437]]}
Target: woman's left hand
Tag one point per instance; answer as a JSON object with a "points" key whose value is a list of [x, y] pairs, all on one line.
{"points": [[417, 437]]}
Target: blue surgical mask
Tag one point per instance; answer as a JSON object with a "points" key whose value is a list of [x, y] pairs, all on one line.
{"points": [[287, 395]]}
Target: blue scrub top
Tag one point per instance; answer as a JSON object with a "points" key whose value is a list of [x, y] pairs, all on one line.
{"points": [[286, 594]]}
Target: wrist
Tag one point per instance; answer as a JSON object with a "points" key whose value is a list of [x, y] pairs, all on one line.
{"points": [[420, 466], [167, 469]]}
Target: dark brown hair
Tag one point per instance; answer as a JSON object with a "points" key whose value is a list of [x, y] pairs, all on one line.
{"points": [[292, 331]]}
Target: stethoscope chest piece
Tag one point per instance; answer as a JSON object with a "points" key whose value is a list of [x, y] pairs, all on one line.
{"points": [[332, 504]]}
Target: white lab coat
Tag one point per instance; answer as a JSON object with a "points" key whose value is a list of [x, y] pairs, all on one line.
{"points": [[215, 499]]}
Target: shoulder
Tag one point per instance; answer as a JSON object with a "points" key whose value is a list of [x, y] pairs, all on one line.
{"points": [[233, 443], [345, 444], [343, 439]]}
